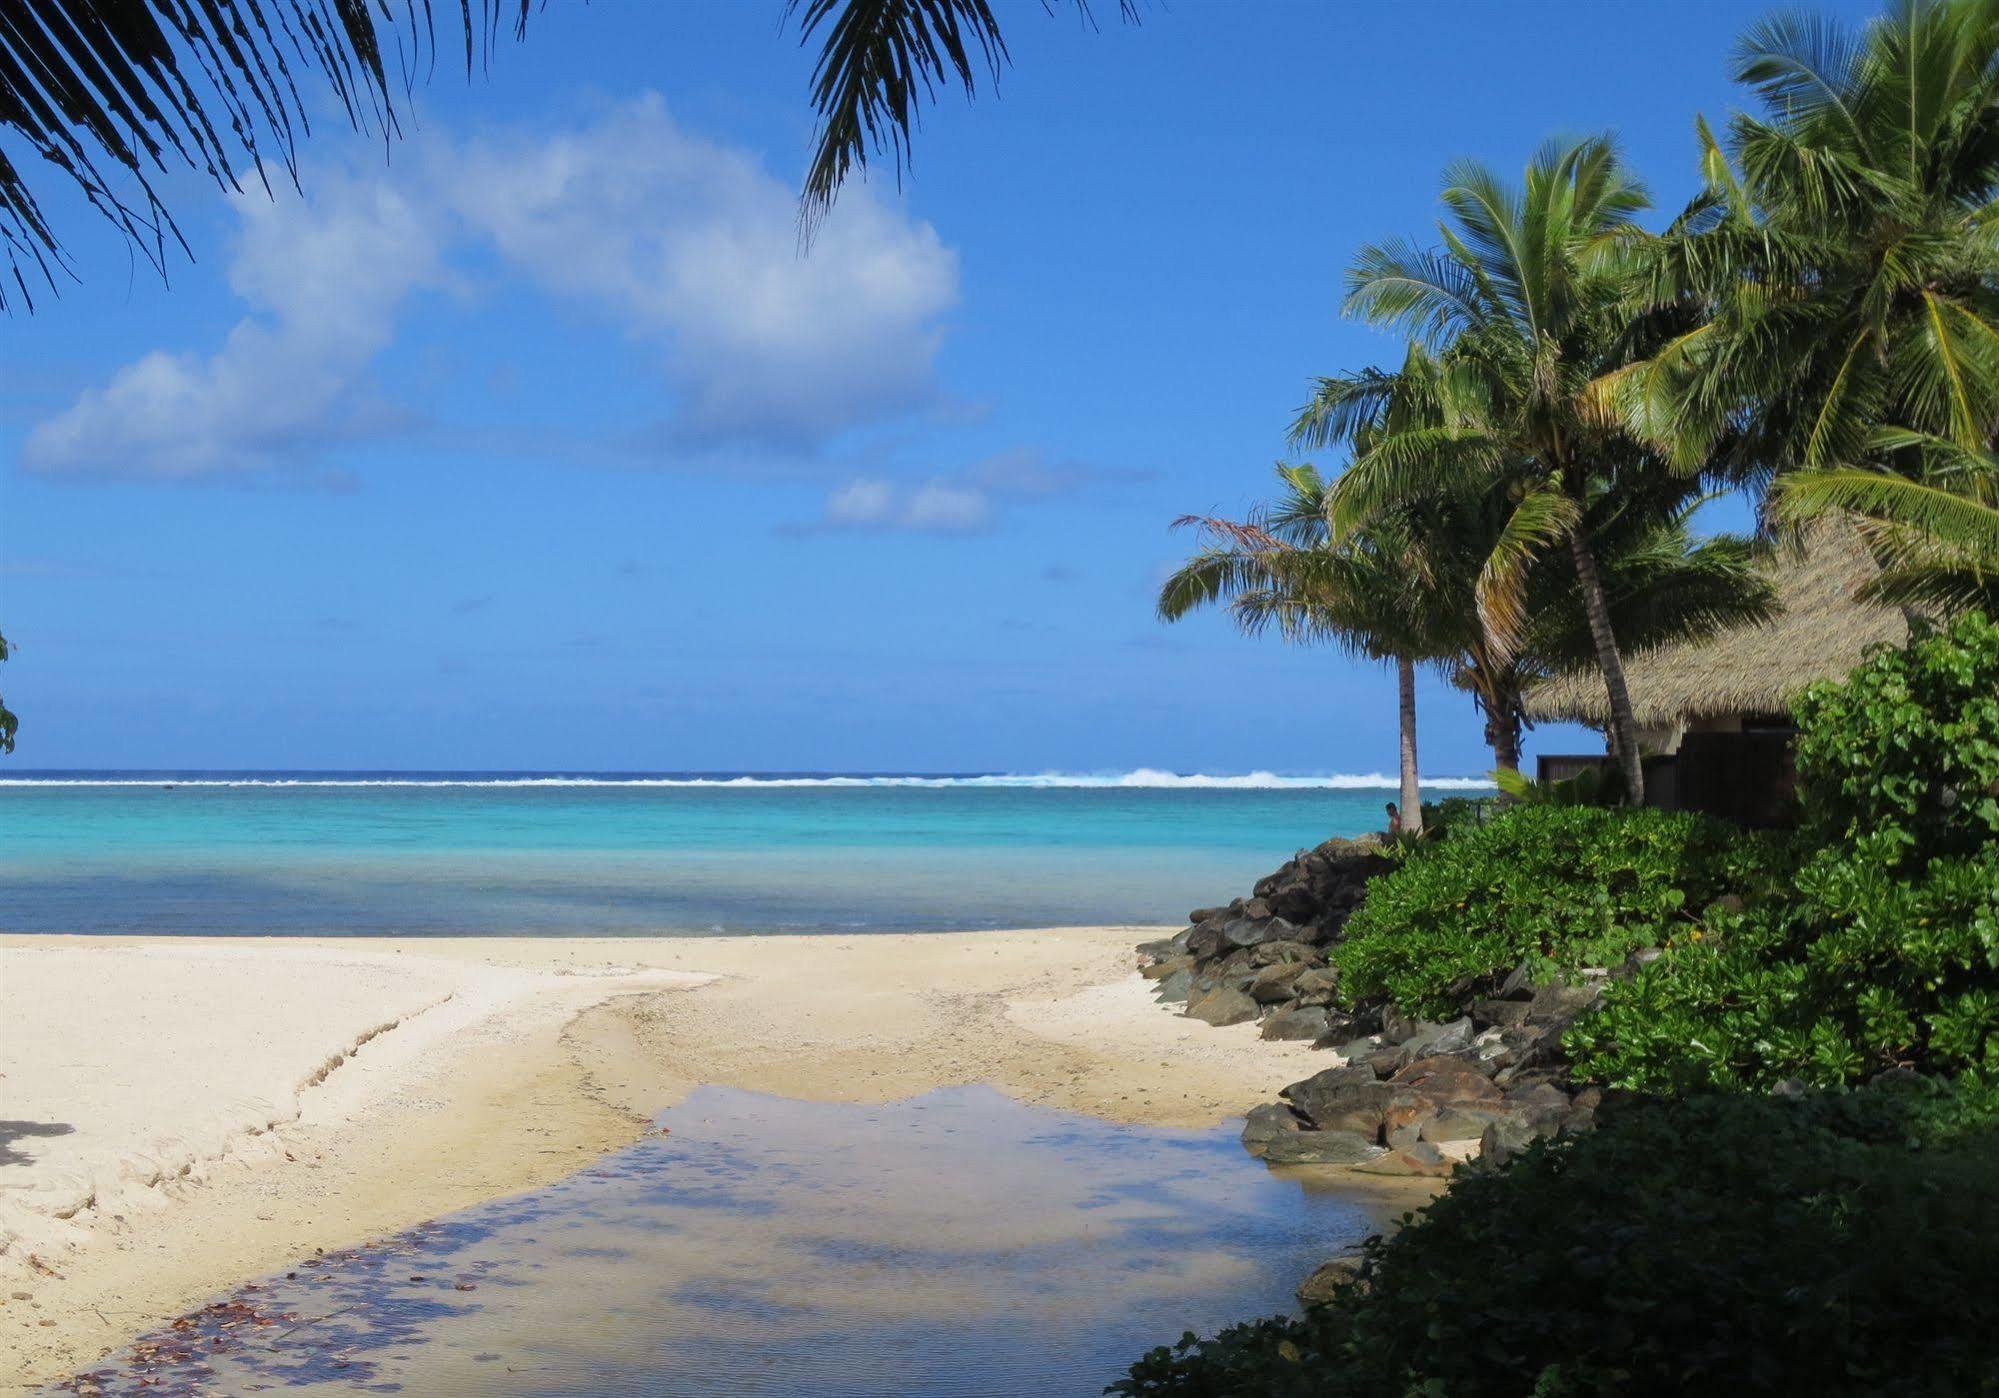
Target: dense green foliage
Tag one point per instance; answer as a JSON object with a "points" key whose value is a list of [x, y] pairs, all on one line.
{"points": [[1558, 886], [1884, 949], [1833, 1244], [1904, 755], [1829, 1240]]}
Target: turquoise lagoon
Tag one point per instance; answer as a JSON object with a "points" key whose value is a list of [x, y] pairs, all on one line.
{"points": [[553, 854]]}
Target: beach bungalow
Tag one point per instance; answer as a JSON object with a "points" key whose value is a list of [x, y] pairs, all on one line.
{"points": [[1714, 718]]}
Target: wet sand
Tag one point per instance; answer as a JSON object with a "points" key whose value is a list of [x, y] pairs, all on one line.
{"points": [[239, 1103]]}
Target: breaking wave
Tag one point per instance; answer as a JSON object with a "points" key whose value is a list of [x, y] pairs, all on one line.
{"points": [[1137, 779]]}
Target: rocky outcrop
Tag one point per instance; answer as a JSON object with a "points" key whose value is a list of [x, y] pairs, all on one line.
{"points": [[1406, 1096], [1420, 1093], [1264, 957]]}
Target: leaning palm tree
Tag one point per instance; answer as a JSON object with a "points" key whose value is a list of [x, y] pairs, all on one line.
{"points": [[1844, 245], [1935, 531], [112, 95], [1525, 309], [1281, 569]]}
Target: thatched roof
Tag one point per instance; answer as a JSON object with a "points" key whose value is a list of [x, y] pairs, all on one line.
{"points": [[1819, 633]]}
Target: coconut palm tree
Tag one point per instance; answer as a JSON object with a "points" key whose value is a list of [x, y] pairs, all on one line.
{"points": [[1405, 590], [1280, 568], [1523, 310], [114, 94], [1845, 246]]}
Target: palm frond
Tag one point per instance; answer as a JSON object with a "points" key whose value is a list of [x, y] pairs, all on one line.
{"points": [[1543, 518], [881, 61], [1398, 284], [114, 95]]}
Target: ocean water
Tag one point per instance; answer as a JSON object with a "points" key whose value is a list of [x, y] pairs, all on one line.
{"points": [[548, 854], [959, 1243]]}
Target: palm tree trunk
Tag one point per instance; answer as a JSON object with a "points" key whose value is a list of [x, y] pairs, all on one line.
{"points": [[1502, 734], [1623, 723], [1405, 701]]}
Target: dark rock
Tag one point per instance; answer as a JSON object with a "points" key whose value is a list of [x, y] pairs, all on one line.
{"points": [[1581, 1115], [1505, 1013], [1434, 1039], [1256, 909], [1321, 1148], [1160, 970], [1270, 883], [1296, 903], [1221, 1006], [1459, 1123], [1165, 949], [1505, 1138], [1560, 1000], [1519, 983], [1296, 1022], [1200, 915], [1328, 1278], [1359, 1050], [1319, 979], [1271, 953], [1265, 1124], [1543, 1103], [1342, 1099], [1383, 1062], [1420, 1159], [1274, 983], [1173, 990], [1491, 1049], [1314, 934], [1397, 1027], [1239, 961], [1448, 1079], [1453, 1037], [1339, 1029], [1403, 1135], [1246, 932], [1207, 940], [1535, 1052]]}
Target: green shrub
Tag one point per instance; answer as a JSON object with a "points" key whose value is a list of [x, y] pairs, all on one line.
{"points": [[1903, 756], [1748, 1245], [1885, 950], [1561, 886]]}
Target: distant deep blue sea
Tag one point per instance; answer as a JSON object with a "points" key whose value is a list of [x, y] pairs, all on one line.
{"points": [[550, 854]]}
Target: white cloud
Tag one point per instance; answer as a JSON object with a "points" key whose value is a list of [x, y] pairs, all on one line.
{"points": [[935, 507], [688, 245], [326, 279], [962, 502], [694, 245]]}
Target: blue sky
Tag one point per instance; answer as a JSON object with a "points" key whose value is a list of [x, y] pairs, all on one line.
{"points": [[536, 445]]}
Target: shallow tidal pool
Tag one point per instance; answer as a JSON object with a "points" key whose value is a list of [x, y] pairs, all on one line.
{"points": [[959, 1243]]}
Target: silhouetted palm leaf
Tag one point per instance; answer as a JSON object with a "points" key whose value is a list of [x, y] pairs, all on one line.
{"points": [[881, 61], [113, 93]]}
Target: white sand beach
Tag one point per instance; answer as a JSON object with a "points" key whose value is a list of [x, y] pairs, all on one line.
{"points": [[179, 1115]]}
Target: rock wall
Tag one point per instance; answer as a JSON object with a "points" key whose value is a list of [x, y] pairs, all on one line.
{"points": [[1408, 1096], [1264, 957]]}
